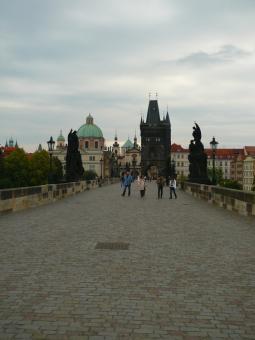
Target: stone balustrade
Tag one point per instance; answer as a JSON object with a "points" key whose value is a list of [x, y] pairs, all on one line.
{"points": [[240, 201], [22, 198]]}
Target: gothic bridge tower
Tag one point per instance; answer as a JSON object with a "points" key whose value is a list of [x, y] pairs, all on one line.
{"points": [[155, 142]]}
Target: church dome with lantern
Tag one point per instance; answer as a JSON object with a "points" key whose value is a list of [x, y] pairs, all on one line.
{"points": [[89, 130]]}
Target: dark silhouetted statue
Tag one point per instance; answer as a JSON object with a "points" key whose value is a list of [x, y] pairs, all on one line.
{"points": [[74, 168], [197, 158]]}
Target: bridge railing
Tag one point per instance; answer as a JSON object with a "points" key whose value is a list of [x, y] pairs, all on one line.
{"points": [[15, 199], [243, 202]]}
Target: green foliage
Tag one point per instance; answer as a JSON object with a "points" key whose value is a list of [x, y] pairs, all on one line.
{"points": [[16, 169], [231, 184], [39, 168], [218, 175], [89, 175], [19, 170], [57, 170]]}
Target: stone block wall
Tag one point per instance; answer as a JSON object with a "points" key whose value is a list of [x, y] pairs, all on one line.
{"points": [[242, 202], [22, 198]]}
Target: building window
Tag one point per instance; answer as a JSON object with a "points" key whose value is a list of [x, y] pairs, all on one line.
{"points": [[96, 145], [86, 145], [91, 167]]}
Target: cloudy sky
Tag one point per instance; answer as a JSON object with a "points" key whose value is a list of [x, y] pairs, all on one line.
{"points": [[62, 59]]}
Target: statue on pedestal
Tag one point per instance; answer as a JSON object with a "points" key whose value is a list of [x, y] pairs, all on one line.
{"points": [[74, 168], [197, 158]]}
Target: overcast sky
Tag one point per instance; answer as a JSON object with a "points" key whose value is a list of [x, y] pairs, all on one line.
{"points": [[61, 60]]}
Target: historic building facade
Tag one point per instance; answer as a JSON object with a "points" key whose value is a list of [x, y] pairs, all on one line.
{"points": [[91, 147], [155, 142], [236, 164]]}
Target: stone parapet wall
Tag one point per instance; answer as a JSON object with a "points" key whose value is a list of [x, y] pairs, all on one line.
{"points": [[22, 198], [242, 202]]}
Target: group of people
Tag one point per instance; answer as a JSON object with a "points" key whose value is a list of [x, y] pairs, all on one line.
{"points": [[127, 179]]}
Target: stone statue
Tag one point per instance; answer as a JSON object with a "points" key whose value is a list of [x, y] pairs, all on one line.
{"points": [[74, 168], [197, 158]]}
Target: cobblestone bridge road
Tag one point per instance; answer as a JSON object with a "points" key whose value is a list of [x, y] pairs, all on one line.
{"points": [[188, 272]]}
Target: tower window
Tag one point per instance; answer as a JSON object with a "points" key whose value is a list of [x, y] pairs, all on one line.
{"points": [[86, 145], [96, 145]]}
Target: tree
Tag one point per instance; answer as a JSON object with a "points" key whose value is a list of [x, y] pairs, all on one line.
{"points": [[89, 175], [231, 184], [218, 175], [16, 169], [39, 168], [57, 170]]}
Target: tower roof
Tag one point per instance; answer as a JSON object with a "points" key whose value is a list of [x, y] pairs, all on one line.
{"points": [[153, 116], [61, 138], [128, 144]]}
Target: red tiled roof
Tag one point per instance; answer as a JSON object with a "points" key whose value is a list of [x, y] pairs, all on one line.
{"points": [[178, 148], [250, 150], [225, 153], [7, 150]]}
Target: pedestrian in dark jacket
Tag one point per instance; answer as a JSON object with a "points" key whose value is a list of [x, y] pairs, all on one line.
{"points": [[160, 184]]}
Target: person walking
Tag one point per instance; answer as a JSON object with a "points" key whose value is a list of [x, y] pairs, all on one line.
{"points": [[128, 179], [160, 184], [172, 185], [141, 185], [122, 180]]}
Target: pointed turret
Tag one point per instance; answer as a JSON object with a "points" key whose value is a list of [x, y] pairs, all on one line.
{"points": [[16, 145], [153, 116], [6, 144], [135, 141], [39, 147], [11, 142], [116, 144], [167, 118]]}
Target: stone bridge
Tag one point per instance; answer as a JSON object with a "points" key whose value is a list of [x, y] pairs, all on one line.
{"points": [[171, 269]]}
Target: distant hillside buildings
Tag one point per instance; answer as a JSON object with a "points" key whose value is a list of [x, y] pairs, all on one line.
{"points": [[236, 164]]}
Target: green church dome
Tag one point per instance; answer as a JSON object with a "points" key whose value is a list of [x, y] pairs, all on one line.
{"points": [[89, 129]]}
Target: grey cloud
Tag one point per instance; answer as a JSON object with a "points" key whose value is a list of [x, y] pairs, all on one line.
{"points": [[227, 53]]}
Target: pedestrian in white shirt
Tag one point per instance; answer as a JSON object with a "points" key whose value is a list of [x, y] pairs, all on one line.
{"points": [[172, 185]]}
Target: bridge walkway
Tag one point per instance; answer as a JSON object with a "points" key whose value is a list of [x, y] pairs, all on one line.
{"points": [[188, 272]]}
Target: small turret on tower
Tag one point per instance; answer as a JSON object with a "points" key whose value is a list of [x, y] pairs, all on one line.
{"points": [[60, 141], [116, 146]]}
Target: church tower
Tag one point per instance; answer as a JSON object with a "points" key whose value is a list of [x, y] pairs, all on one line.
{"points": [[155, 142], [116, 146]]}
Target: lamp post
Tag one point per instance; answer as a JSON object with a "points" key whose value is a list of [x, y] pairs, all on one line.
{"points": [[213, 144], [51, 144], [173, 168], [101, 165]]}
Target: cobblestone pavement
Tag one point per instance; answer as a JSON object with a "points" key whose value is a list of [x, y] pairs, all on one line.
{"points": [[188, 273]]}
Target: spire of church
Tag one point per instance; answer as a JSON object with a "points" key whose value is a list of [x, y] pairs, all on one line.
{"points": [[153, 116], [135, 140], [167, 117], [16, 145], [116, 144], [6, 144]]}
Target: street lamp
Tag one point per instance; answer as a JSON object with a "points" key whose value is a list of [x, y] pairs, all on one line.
{"points": [[173, 168], [213, 144], [101, 164], [51, 144]]}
